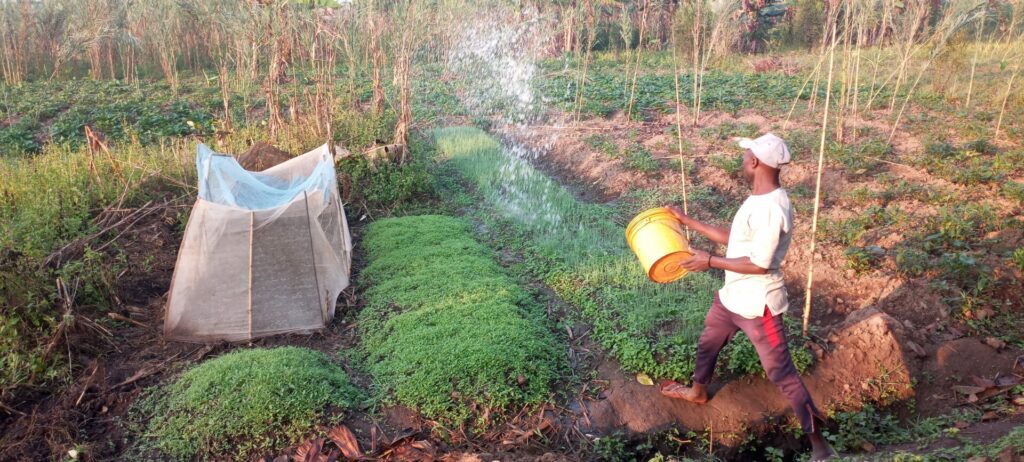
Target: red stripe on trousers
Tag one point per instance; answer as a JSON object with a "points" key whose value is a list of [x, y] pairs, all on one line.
{"points": [[769, 327]]}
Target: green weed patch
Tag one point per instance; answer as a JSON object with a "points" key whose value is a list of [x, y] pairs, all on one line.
{"points": [[580, 251], [445, 330], [232, 406], [46, 201]]}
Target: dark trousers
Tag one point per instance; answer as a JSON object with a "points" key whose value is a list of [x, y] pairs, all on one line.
{"points": [[768, 335]]}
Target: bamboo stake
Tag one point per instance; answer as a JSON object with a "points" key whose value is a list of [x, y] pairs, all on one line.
{"points": [[697, 21], [636, 67], [856, 70], [679, 133], [1006, 96], [974, 60], [817, 185], [582, 87]]}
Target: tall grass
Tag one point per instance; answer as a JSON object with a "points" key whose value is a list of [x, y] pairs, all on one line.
{"points": [[50, 199]]}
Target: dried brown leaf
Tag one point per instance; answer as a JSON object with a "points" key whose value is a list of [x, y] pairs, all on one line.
{"points": [[995, 343], [983, 383], [346, 441], [967, 389], [1007, 381], [309, 451]]}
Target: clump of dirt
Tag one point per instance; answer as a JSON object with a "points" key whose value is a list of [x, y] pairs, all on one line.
{"points": [[261, 156], [866, 364]]}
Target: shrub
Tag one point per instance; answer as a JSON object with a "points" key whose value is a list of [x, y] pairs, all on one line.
{"points": [[856, 428], [47, 200], [1014, 190], [389, 189], [911, 261], [445, 331], [730, 164], [232, 406], [639, 158], [603, 144], [863, 259]]}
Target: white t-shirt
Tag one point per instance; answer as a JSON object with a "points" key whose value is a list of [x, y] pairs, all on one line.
{"points": [[761, 230]]}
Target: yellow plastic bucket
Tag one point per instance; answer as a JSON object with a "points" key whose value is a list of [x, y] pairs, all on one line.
{"points": [[658, 241]]}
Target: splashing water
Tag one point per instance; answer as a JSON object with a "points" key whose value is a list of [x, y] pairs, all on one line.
{"points": [[496, 57]]}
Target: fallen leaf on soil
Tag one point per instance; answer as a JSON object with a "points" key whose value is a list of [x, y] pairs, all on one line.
{"points": [[414, 451], [990, 415], [644, 379], [867, 447], [1006, 381], [916, 349], [346, 441], [985, 313], [1019, 400], [995, 343], [961, 424], [309, 451], [983, 383], [967, 389]]}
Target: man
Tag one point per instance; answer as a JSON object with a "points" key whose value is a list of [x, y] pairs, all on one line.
{"points": [[753, 297]]}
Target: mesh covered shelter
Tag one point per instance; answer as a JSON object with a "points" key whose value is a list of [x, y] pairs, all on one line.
{"points": [[264, 253]]}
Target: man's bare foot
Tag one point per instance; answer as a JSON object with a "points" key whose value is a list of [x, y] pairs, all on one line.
{"points": [[820, 450], [696, 394]]}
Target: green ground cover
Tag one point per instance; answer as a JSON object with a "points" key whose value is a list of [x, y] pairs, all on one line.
{"points": [[579, 250], [245, 401], [445, 331]]}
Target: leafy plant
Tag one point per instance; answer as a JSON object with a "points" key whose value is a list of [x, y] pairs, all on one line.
{"points": [[604, 144], [730, 164], [863, 259], [639, 158], [868, 426], [911, 261], [1018, 258]]}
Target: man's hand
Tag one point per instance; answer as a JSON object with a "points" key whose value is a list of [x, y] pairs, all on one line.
{"points": [[717, 234], [698, 262], [682, 217]]}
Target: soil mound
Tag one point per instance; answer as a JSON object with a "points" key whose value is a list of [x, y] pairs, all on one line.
{"points": [[865, 365], [262, 156]]}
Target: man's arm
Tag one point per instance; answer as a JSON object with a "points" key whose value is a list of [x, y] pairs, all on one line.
{"points": [[702, 261], [717, 234]]}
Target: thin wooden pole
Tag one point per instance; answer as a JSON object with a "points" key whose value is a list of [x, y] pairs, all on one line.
{"points": [[817, 186], [1002, 109], [679, 133], [697, 23], [636, 67], [974, 60], [252, 230]]}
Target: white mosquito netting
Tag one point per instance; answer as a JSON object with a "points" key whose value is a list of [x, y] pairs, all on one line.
{"points": [[264, 253]]}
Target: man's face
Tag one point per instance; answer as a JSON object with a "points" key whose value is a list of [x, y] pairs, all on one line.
{"points": [[749, 165]]}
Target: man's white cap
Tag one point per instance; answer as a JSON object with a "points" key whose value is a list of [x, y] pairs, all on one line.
{"points": [[768, 148]]}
